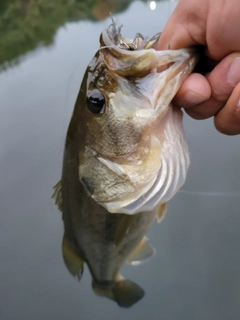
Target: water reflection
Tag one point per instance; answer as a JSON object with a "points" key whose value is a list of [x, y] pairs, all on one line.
{"points": [[26, 25]]}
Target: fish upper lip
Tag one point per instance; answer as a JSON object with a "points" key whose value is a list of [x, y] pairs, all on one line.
{"points": [[140, 62]]}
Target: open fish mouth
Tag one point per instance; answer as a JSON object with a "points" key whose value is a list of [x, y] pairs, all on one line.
{"points": [[137, 59]]}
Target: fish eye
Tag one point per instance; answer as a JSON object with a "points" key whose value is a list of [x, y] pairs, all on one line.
{"points": [[95, 101]]}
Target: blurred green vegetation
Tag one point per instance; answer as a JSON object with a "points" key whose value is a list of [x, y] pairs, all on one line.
{"points": [[26, 24]]}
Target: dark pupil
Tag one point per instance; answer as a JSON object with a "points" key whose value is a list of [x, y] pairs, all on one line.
{"points": [[95, 101]]}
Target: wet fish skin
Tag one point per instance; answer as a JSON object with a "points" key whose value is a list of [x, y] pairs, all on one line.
{"points": [[101, 240], [124, 151]]}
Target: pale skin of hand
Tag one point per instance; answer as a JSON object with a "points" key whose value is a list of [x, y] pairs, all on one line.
{"points": [[215, 24]]}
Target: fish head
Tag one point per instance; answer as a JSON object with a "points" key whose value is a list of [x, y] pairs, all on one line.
{"points": [[126, 125]]}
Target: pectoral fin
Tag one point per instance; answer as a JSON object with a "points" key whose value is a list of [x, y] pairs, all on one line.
{"points": [[142, 252], [73, 261], [161, 212], [126, 293], [57, 195]]}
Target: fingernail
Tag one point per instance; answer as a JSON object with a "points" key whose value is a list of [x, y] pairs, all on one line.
{"points": [[191, 99], [234, 72]]}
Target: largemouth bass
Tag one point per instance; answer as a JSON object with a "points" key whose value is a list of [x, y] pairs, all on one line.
{"points": [[125, 157]]}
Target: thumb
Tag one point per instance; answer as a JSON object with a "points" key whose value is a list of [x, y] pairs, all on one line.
{"points": [[186, 27]]}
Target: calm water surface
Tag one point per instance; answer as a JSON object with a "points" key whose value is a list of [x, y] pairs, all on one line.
{"points": [[195, 273]]}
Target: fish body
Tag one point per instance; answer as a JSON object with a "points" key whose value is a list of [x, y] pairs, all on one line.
{"points": [[125, 157], [103, 241]]}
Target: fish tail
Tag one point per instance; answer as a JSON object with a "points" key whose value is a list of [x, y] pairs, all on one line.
{"points": [[126, 293]]}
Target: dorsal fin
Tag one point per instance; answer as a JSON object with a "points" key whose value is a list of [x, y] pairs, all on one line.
{"points": [[57, 195], [73, 261]]}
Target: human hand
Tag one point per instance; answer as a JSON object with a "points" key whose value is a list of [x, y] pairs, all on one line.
{"points": [[216, 26]]}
